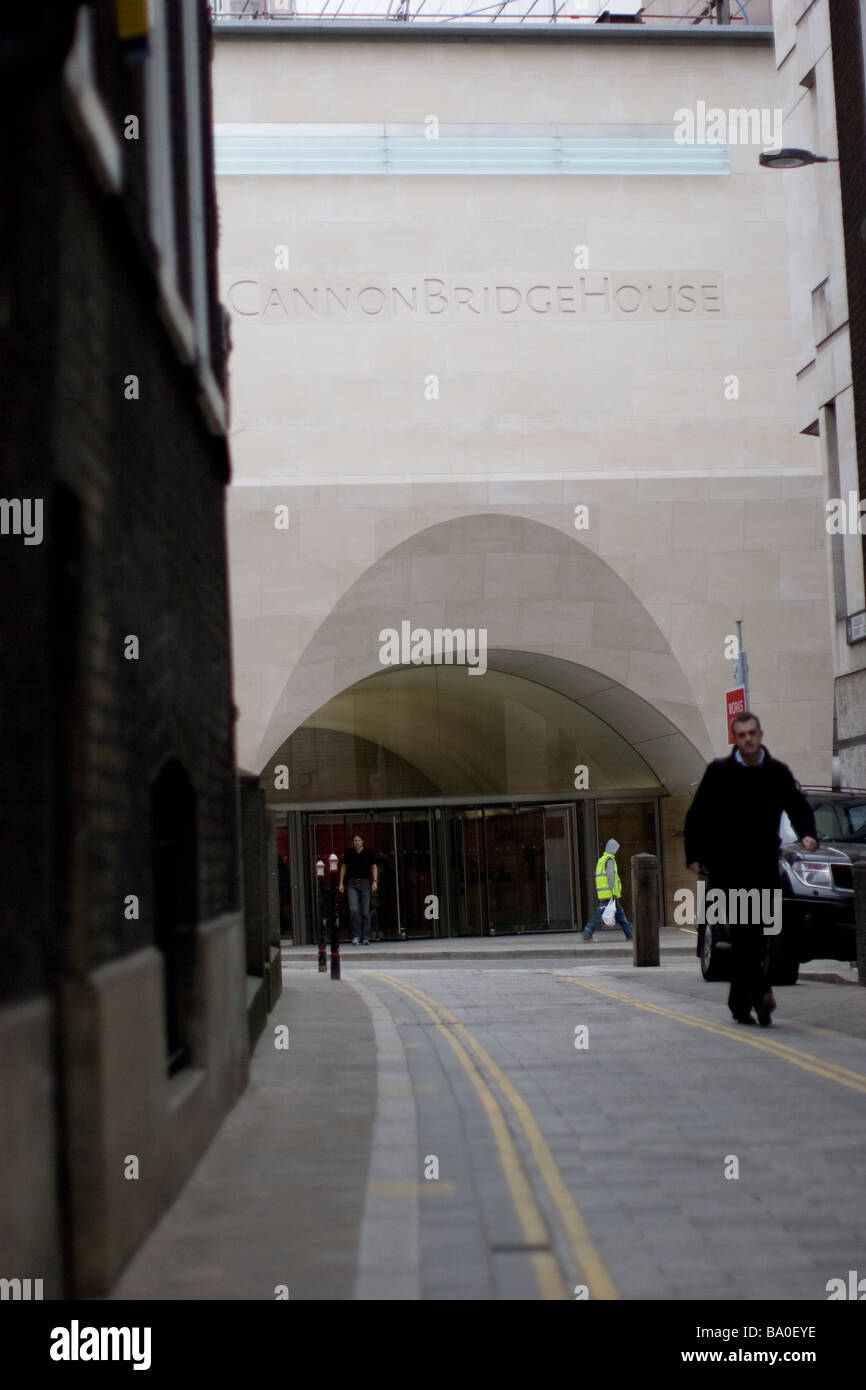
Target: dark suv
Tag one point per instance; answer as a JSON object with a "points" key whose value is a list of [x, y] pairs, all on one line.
{"points": [[817, 892]]}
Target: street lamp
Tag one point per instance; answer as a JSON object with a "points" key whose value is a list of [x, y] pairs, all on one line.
{"points": [[792, 159]]}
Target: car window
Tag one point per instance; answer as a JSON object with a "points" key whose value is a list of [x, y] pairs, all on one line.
{"points": [[826, 821], [853, 821]]}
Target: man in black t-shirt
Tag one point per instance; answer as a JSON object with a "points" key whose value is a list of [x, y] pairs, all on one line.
{"points": [[359, 875]]}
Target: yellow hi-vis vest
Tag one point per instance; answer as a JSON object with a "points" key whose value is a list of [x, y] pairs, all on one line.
{"points": [[602, 887]]}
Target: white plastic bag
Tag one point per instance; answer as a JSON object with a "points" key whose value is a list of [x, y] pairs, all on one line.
{"points": [[608, 917]]}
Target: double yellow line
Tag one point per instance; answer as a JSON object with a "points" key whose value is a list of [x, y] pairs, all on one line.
{"points": [[588, 1262], [806, 1061]]}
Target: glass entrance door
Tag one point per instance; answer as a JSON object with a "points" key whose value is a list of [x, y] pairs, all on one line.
{"points": [[401, 842], [511, 869], [413, 856], [558, 868], [634, 825], [467, 871], [515, 868], [385, 920], [503, 868]]}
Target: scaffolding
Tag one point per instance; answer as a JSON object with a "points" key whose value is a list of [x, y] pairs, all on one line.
{"points": [[533, 13]]}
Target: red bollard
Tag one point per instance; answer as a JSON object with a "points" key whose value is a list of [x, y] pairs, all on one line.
{"points": [[333, 865], [320, 885]]}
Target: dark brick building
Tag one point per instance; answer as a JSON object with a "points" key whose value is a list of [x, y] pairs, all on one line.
{"points": [[123, 1011]]}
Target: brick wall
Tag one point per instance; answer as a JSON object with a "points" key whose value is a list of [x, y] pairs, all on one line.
{"points": [[151, 477], [85, 731]]}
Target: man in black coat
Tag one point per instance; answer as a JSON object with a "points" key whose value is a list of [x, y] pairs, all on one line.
{"points": [[732, 830]]}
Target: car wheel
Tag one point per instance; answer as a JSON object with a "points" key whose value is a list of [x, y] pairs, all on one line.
{"points": [[713, 963]]}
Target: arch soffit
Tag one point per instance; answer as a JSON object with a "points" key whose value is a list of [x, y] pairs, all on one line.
{"points": [[511, 564]]}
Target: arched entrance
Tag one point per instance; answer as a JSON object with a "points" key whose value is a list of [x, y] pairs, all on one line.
{"points": [[484, 791], [485, 801]]}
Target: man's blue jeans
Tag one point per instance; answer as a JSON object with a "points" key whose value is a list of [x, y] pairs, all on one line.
{"points": [[595, 921], [358, 892]]}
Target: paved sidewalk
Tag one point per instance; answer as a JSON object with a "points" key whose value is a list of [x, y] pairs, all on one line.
{"points": [[527, 946], [316, 1181], [674, 943], [837, 972], [278, 1197]]}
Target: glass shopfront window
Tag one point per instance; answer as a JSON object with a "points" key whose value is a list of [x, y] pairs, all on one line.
{"points": [[475, 870]]}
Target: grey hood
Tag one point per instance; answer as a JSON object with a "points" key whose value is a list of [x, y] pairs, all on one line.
{"points": [[611, 847]]}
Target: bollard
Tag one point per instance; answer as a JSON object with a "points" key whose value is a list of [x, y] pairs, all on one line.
{"points": [[860, 918], [335, 936], [320, 907], [645, 900]]}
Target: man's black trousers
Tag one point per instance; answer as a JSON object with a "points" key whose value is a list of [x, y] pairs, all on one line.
{"points": [[750, 959]]}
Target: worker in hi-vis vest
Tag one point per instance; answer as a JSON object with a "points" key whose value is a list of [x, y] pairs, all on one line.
{"points": [[608, 885]]}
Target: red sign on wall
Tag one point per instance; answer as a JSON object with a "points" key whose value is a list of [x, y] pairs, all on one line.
{"points": [[735, 703]]}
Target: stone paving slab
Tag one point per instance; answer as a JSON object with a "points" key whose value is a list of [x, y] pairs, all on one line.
{"points": [[316, 1179], [279, 1196], [669, 1085]]}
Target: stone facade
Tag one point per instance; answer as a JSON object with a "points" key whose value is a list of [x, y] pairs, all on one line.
{"points": [[820, 58], [429, 441]]}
